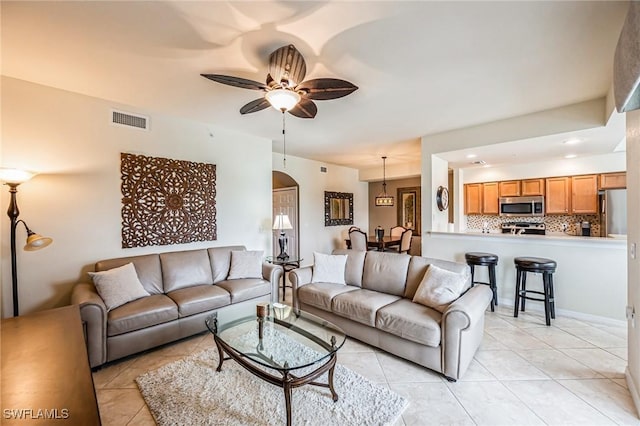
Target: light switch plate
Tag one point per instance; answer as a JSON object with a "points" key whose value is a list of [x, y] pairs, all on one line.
{"points": [[632, 250]]}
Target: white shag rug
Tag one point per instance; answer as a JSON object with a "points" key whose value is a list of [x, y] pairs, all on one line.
{"points": [[191, 392]]}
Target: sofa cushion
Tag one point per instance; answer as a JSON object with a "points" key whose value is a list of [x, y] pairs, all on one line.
{"points": [[355, 266], [385, 272], [118, 286], [147, 267], [200, 298], [320, 295], [439, 288], [245, 289], [418, 267], [220, 260], [411, 321], [329, 268], [361, 305], [182, 269], [245, 264], [141, 313]]}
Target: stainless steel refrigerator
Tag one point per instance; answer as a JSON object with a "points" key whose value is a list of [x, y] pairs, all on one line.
{"points": [[613, 212]]}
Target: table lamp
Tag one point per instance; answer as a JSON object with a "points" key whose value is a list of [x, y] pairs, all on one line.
{"points": [[282, 222]]}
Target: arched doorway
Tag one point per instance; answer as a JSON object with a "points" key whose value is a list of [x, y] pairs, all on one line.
{"points": [[285, 201]]}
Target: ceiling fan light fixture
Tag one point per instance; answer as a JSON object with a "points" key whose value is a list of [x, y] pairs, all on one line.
{"points": [[282, 99]]}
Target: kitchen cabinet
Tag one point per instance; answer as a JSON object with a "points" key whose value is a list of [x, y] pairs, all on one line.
{"points": [[473, 198], [558, 199], [584, 194], [509, 188], [613, 180], [531, 187], [490, 198]]}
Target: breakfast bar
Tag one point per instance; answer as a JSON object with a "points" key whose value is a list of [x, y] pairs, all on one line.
{"points": [[591, 277]]}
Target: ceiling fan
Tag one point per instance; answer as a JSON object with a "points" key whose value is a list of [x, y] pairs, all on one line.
{"points": [[285, 89]]}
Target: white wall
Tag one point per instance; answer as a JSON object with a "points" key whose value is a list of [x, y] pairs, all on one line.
{"points": [[613, 162], [314, 236], [439, 177], [76, 197], [633, 235]]}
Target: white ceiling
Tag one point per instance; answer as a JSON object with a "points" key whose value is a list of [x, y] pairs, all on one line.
{"points": [[421, 67]]}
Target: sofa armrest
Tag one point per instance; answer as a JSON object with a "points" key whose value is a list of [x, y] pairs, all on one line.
{"points": [[299, 277], [462, 329], [273, 274], [93, 312]]}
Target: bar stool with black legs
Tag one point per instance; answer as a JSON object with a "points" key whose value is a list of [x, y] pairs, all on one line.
{"points": [[489, 260], [540, 265]]}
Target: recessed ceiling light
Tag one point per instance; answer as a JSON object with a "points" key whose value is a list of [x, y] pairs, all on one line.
{"points": [[471, 155], [570, 156], [572, 141]]}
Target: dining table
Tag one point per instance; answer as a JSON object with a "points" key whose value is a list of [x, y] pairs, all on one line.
{"points": [[380, 244]]}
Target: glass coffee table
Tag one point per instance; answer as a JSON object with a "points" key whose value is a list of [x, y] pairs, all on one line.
{"points": [[284, 348]]}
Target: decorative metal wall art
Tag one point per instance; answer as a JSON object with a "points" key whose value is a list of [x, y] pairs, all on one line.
{"points": [[166, 201], [338, 208]]}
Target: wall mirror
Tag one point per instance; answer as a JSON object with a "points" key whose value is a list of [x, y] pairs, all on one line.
{"points": [[338, 208], [409, 208]]}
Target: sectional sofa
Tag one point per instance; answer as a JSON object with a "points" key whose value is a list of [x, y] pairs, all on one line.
{"points": [[183, 287], [375, 305]]}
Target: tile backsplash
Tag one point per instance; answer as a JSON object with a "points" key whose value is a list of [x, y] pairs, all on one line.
{"points": [[552, 222]]}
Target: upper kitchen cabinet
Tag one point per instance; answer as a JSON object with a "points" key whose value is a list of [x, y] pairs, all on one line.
{"points": [[473, 198], [490, 198], [531, 187], [558, 199], [584, 194], [613, 180], [509, 188]]}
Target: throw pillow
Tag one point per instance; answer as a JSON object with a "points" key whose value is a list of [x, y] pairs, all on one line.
{"points": [[439, 288], [245, 264], [329, 268], [118, 286]]}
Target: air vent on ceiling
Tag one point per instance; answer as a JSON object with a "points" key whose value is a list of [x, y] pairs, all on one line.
{"points": [[323, 169], [128, 119]]}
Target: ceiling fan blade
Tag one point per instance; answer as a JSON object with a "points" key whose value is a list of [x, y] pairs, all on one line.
{"points": [[305, 109], [322, 89], [236, 81], [255, 106], [287, 65]]}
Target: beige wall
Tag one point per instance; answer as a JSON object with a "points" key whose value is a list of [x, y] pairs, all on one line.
{"points": [[386, 217], [314, 236], [76, 197]]}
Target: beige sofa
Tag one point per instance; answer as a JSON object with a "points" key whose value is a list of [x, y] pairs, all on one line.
{"points": [[376, 307], [185, 287]]}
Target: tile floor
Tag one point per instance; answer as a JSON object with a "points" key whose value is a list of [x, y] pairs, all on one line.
{"points": [[524, 374]]}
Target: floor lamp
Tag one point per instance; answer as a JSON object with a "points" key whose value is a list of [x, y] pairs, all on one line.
{"points": [[282, 222], [13, 178]]}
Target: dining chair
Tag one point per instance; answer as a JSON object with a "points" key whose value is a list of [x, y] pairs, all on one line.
{"points": [[353, 228], [405, 241], [358, 240], [397, 231]]}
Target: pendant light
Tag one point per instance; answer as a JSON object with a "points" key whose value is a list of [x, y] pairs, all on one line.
{"points": [[383, 199]]}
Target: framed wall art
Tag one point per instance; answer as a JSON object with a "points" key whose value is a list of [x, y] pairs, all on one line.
{"points": [[338, 208], [166, 201], [409, 208]]}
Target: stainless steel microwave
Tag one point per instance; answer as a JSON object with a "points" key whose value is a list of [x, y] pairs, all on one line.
{"points": [[522, 206]]}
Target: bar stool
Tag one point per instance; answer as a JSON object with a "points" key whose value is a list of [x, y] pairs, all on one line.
{"points": [[489, 260], [540, 265]]}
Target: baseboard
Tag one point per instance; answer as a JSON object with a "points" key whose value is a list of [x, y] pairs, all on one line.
{"points": [[539, 307], [632, 389]]}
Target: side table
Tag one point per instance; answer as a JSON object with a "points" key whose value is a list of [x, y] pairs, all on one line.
{"points": [[288, 264]]}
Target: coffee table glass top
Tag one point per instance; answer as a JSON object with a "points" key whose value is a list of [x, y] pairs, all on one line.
{"points": [[289, 341]]}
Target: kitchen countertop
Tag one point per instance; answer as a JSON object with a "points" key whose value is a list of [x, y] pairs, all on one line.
{"points": [[550, 236]]}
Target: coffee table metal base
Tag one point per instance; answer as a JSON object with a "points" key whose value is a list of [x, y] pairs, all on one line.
{"points": [[288, 381]]}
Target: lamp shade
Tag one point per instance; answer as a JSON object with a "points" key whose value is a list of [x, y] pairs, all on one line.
{"points": [[282, 222], [282, 99], [15, 176], [36, 242]]}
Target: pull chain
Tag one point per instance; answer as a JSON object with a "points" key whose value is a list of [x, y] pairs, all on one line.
{"points": [[284, 142]]}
